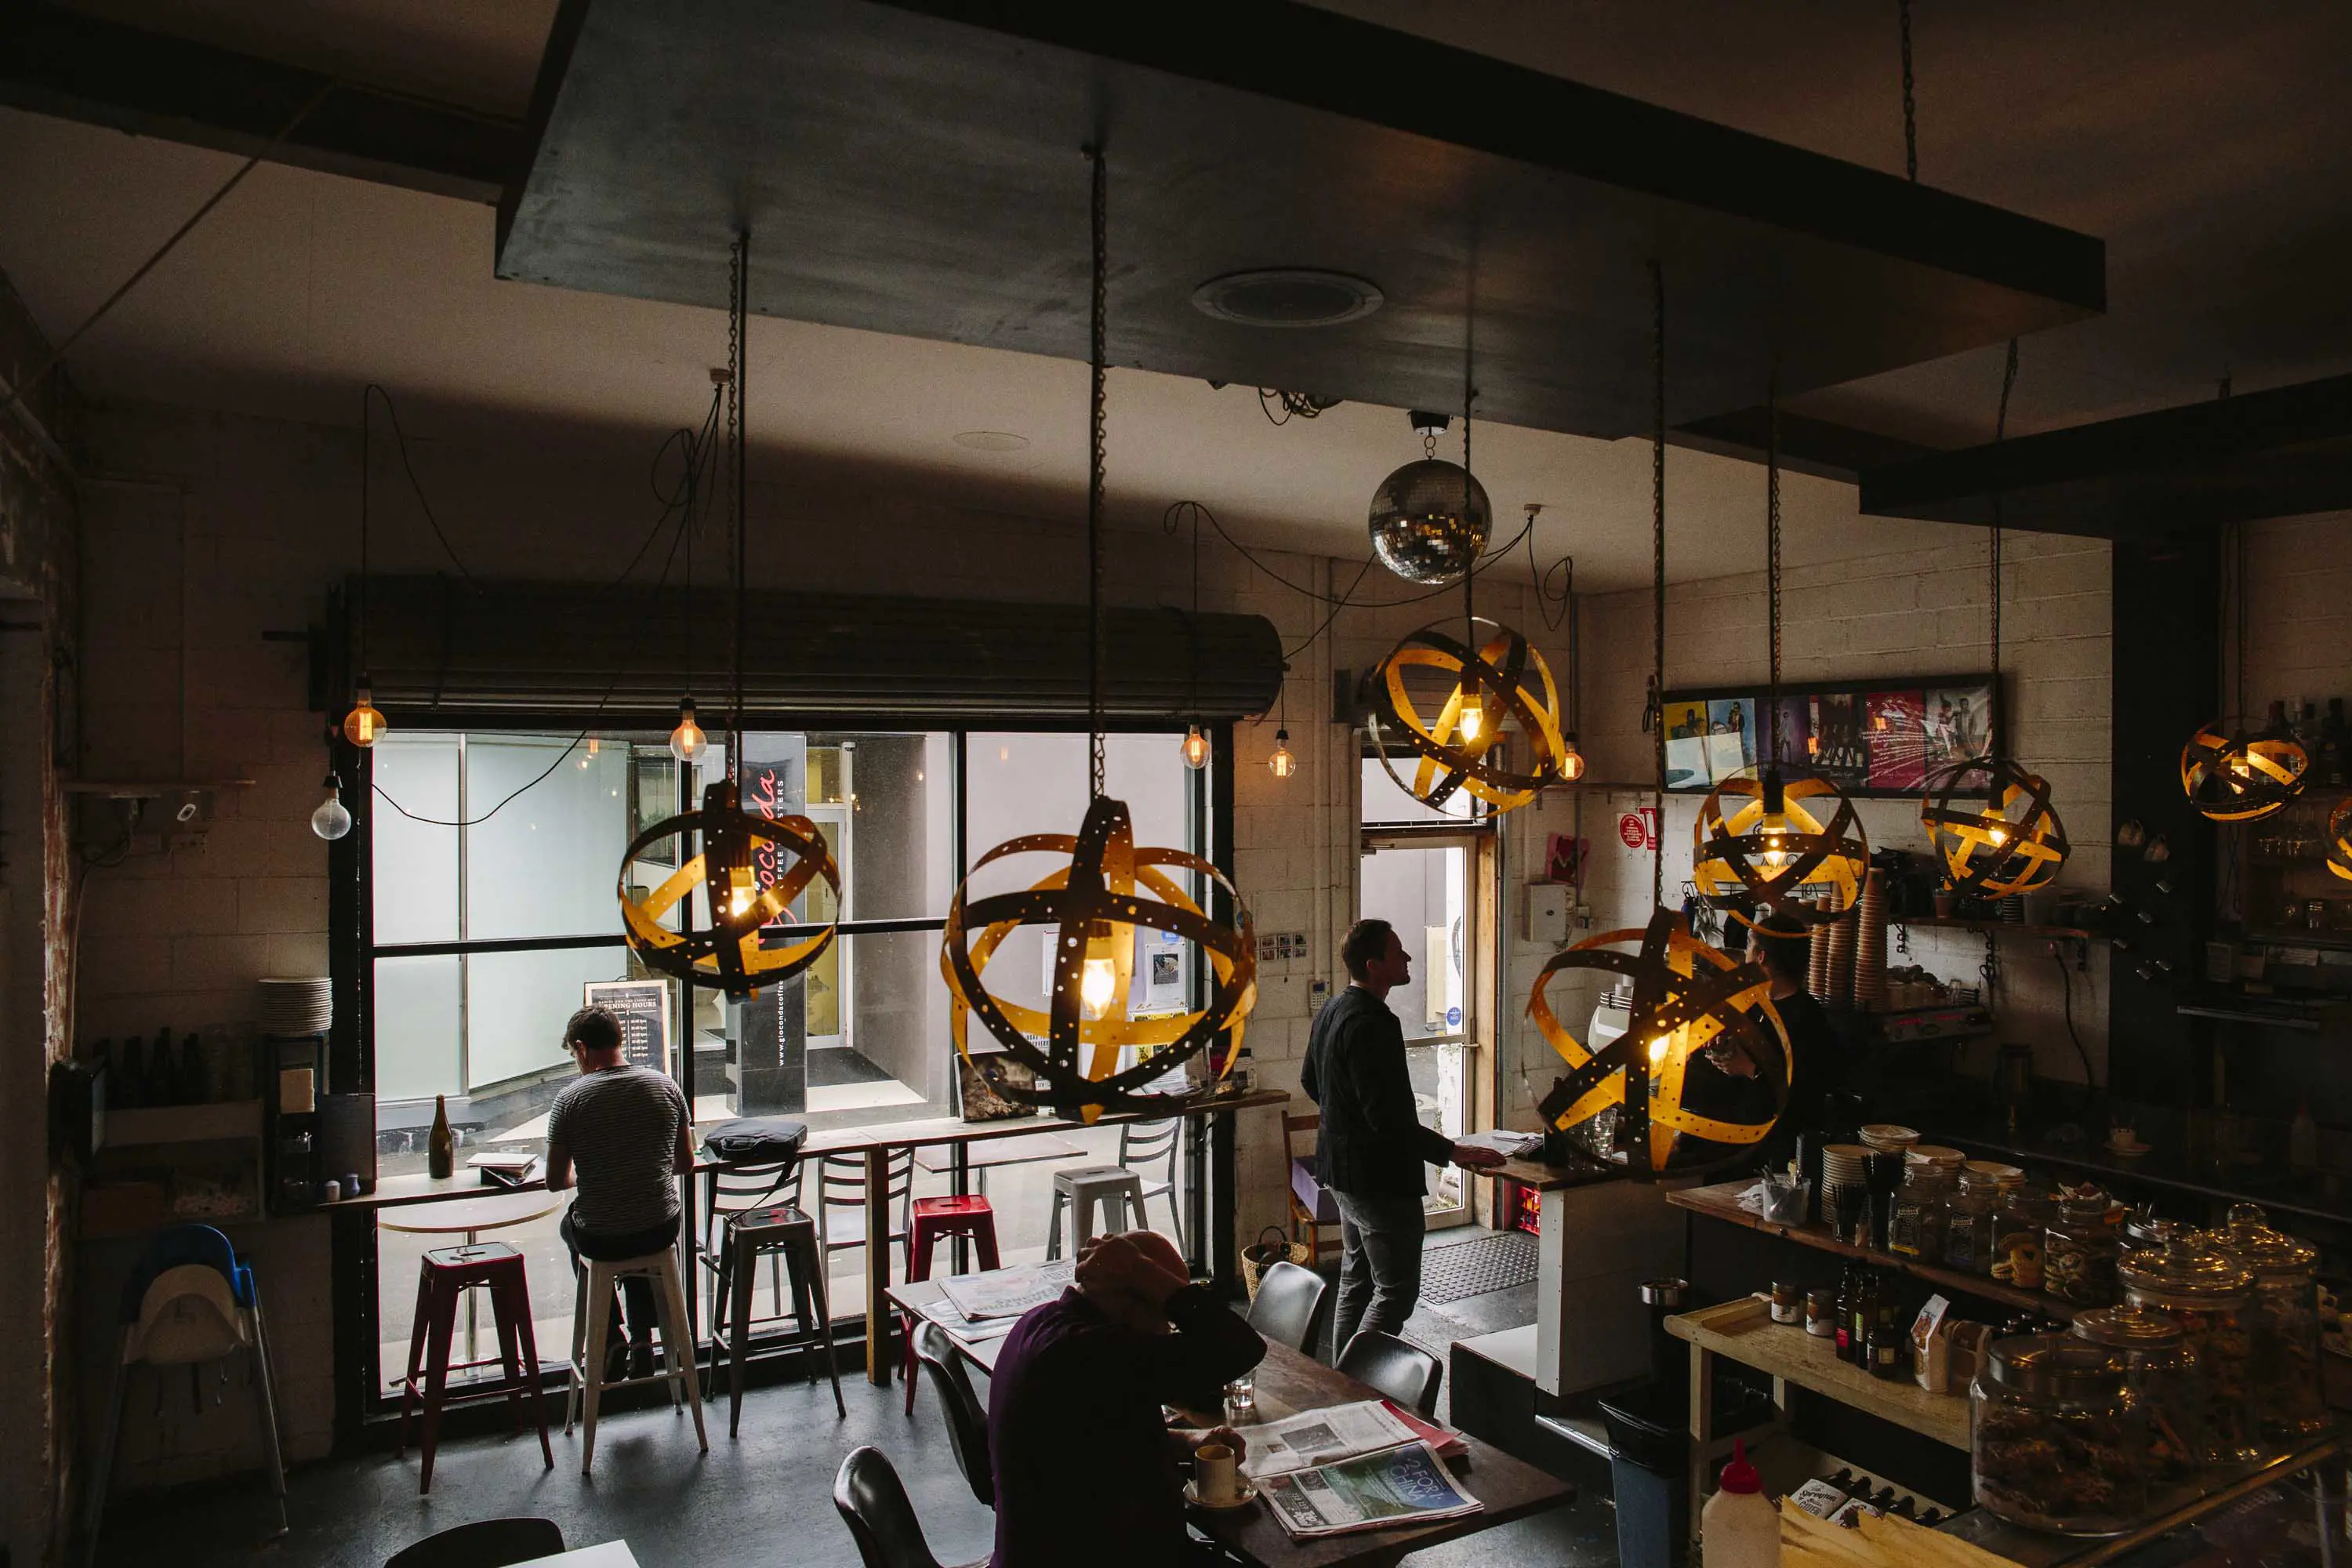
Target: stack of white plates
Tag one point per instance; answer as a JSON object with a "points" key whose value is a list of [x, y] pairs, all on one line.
{"points": [[1842, 1165], [295, 1007], [1887, 1138]]}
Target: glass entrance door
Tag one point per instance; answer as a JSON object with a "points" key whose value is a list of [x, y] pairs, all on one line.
{"points": [[1421, 885]]}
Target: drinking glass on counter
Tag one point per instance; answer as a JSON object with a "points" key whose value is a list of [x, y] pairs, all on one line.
{"points": [[1786, 1197]]}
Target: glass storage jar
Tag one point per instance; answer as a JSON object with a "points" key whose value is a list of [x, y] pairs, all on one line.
{"points": [[2203, 1292], [2283, 1325], [1967, 1223], [2056, 1440], [1918, 1230], [2165, 1379], [2079, 1249], [2020, 1217]]}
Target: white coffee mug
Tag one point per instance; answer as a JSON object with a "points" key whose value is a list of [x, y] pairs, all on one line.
{"points": [[1213, 1473]]}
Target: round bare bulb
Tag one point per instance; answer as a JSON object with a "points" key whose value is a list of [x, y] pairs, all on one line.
{"points": [[332, 819], [363, 726], [687, 742], [1196, 748], [1283, 763], [1571, 764]]}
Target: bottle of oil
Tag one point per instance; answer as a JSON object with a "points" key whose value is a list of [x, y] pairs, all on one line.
{"points": [[441, 1148]]}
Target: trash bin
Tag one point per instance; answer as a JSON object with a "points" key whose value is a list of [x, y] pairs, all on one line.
{"points": [[1649, 1470]]}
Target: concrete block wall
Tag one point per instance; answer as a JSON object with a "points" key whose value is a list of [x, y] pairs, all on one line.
{"points": [[2299, 635], [1917, 611]]}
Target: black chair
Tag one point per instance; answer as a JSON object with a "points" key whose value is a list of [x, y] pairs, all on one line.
{"points": [[1289, 1305], [967, 1417], [874, 1505], [484, 1543], [1406, 1373]]}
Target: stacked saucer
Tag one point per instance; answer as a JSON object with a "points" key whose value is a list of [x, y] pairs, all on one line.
{"points": [[1888, 1137], [1947, 1161], [295, 1008]]}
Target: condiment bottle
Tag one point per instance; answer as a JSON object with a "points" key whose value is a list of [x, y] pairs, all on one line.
{"points": [[1739, 1527]]}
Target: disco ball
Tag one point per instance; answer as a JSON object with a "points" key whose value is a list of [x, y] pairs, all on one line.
{"points": [[1430, 520]]}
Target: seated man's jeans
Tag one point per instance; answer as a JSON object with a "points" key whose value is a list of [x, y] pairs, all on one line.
{"points": [[638, 1292]]}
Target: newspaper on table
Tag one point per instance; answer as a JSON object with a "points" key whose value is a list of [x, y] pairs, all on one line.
{"points": [[1008, 1293], [1321, 1436], [970, 1331], [1509, 1144], [1401, 1486]]}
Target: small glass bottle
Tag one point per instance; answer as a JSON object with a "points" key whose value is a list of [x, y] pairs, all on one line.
{"points": [[1967, 1223]]}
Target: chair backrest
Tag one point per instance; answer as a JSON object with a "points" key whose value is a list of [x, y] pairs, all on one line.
{"points": [[1310, 1122], [1289, 1305], [1406, 1373], [484, 1543], [967, 1419], [873, 1503], [179, 1247], [732, 1189], [841, 1180], [1141, 1142]]}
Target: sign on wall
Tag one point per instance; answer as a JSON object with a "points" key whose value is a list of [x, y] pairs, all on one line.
{"points": [[1870, 738], [643, 1007]]}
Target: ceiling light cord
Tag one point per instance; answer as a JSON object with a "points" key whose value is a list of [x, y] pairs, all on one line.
{"points": [[1658, 575], [1096, 352], [738, 298], [1910, 102], [1993, 541], [1773, 550]]}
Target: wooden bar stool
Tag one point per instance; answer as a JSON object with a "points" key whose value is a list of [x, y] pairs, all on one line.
{"points": [[777, 1231], [1085, 1188], [933, 1221], [597, 1279], [443, 1277]]}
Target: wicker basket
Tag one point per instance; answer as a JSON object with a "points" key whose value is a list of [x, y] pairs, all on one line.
{"points": [[1271, 1247]]}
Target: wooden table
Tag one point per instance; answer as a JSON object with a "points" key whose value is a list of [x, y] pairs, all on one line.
{"points": [[605, 1554], [1029, 1150], [875, 1143], [1289, 1382]]}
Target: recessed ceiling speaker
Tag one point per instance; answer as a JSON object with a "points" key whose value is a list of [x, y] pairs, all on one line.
{"points": [[1287, 296]]}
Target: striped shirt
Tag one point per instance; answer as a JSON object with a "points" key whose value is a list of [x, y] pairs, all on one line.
{"points": [[620, 1126]]}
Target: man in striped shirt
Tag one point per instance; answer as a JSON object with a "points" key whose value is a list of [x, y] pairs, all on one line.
{"points": [[624, 1135]]}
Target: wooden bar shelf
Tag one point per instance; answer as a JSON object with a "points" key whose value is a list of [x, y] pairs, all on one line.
{"points": [[1744, 1331], [1721, 1202]]}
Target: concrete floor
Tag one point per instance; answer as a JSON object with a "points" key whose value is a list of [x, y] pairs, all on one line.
{"points": [[759, 1501]]}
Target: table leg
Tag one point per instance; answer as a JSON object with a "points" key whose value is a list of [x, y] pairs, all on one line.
{"points": [[877, 1266], [1702, 1422]]}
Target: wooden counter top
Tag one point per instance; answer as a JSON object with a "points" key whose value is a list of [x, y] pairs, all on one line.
{"points": [[1744, 1331]]}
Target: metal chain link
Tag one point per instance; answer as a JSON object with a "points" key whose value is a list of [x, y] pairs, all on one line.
{"points": [[1095, 771], [1910, 104], [1773, 547], [1658, 575], [739, 294], [1992, 549]]}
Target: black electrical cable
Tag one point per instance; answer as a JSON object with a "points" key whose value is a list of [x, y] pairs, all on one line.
{"points": [[400, 444], [1343, 601], [2066, 991]]}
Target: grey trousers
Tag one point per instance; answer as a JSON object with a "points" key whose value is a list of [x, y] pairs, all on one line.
{"points": [[1380, 1265]]}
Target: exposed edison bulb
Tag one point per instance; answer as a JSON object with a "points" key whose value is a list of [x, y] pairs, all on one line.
{"points": [[332, 819], [363, 726], [1997, 836], [687, 742], [1572, 763], [588, 757], [1658, 1050], [1097, 981], [1282, 761], [1473, 715], [1196, 747]]}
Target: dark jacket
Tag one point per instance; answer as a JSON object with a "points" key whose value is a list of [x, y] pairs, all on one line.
{"points": [[1817, 1069], [1075, 1440], [1373, 1144]]}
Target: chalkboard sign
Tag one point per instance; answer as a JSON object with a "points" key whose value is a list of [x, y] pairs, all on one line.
{"points": [[643, 1007]]}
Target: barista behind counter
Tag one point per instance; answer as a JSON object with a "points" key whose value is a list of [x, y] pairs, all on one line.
{"points": [[1728, 1084]]}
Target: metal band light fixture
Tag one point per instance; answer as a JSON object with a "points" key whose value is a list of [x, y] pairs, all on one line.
{"points": [[2244, 778], [751, 867], [1095, 904], [1687, 997], [1989, 819], [1778, 836], [2340, 838]]}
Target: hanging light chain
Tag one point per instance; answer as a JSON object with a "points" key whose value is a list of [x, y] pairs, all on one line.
{"points": [[738, 292], [2000, 434], [1658, 574], [1095, 771], [1773, 549], [1910, 105]]}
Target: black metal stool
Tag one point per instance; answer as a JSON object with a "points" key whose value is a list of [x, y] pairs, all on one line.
{"points": [[745, 1238]]}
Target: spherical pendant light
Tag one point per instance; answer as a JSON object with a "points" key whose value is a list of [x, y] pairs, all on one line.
{"points": [[1430, 519], [1282, 762], [1687, 998], [363, 726], [2244, 778], [333, 818], [1093, 906], [752, 869], [1994, 829], [2340, 838], [1459, 749], [1782, 837]]}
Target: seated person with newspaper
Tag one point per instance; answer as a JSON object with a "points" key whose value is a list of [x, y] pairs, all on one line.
{"points": [[1085, 1468]]}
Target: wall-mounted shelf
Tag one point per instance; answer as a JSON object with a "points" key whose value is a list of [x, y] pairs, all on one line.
{"points": [[1980, 925], [153, 1124]]}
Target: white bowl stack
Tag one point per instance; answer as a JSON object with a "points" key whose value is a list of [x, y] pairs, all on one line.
{"points": [[295, 1008]]}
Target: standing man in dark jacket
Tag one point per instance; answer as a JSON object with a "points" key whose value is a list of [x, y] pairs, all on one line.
{"points": [[1372, 1145]]}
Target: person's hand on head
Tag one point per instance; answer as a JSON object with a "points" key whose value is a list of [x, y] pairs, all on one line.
{"points": [[1138, 1263], [1476, 1156]]}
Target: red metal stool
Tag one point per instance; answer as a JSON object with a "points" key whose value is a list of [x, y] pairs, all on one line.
{"points": [[934, 1218], [442, 1281]]}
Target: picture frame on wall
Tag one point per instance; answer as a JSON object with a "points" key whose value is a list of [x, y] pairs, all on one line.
{"points": [[1873, 738]]}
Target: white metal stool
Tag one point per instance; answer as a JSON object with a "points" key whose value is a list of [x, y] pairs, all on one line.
{"points": [[592, 1318], [1113, 1187]]}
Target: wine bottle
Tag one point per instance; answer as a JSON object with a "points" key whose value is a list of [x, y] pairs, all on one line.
{"points": [[1845, 1313], [441, 1148]]}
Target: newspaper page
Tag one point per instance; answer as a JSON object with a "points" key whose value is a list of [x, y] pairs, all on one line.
{"points": [[1372, 1491], [1008, 1293], [1321, 1436]]}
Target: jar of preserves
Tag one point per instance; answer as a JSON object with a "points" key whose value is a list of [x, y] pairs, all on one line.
{"points": [[1967, 1225], [2020, 1217], [2165, 1379], [2203, 1292], [2079, 1249], [1918, 1230], [2281, 1322], [2056, 1440]]}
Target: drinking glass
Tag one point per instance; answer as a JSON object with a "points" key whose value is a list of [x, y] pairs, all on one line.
{"points": [[1240, 1401]]}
